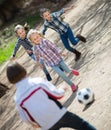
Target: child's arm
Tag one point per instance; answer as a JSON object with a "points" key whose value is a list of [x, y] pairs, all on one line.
{"points": [[44, 29], [49, 88], [52, 91], [68, 8], [17, 46], [58, 13], [24, 117], [37, 57]]}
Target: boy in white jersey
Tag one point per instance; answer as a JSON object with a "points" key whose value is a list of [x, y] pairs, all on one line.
{"points": [[37, 102]]}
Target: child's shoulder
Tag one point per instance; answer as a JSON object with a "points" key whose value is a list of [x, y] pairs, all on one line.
{"points": [[19, 40]]}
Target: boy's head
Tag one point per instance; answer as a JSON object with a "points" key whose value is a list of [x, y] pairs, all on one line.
{"points": [[34, 36], [20, 31], [45, 13], [15, 72]]}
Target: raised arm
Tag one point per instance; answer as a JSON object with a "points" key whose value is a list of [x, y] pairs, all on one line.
{"points": [[69, 8]]}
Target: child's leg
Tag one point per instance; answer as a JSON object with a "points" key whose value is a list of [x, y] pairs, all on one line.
{"points": [[61, 73], [45, 70], [72, 121], [66, 69], [64, 66], [65, 41], [64, 77], [74, 40]]}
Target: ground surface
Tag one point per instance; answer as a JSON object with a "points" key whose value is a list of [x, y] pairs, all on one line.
{"points": [[91, 18]]}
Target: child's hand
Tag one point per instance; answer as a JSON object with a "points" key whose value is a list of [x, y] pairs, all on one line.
{"points": [[68, 8], [28, 51], [35, 126], [63, 54], [40, 65], [65, 88]]}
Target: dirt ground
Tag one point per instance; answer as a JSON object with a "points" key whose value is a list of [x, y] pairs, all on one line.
{"points": [[91, 18]]}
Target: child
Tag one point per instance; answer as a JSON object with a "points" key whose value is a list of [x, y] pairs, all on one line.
{"points": [[45, 49], [23, 41], [55, 22], [38, 105]]}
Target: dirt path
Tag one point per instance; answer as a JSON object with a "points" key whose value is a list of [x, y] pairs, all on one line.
{"points": [[91, 18]]}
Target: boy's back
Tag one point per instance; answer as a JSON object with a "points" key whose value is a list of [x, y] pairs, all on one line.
{"points": [[38, 103]]}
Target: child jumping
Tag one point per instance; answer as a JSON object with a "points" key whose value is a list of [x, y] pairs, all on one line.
{"points": [[23, 41], [38, 105], [45, 49], [55, 22]]}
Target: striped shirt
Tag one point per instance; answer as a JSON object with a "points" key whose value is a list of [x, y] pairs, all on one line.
{"points": [[56, 23], [25, 43], [48, 51]]}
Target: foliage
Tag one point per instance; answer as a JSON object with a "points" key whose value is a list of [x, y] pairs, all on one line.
{"points": [[32, 20], [5, 52]]}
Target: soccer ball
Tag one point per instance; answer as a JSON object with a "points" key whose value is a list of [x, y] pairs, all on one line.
{"points": [[85, 96]]}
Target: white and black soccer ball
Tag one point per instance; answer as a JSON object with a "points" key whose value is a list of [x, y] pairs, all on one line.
{"points": [[85, 96]]}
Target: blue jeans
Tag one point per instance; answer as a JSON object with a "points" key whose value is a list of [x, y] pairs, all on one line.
{"points": [[44, 67], [72, 121], [57, 69], [42, 62], [65, 37]]}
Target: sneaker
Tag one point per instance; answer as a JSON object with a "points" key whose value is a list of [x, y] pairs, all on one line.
{"points": [[74, 88], [81, 38], [48, 77], [75, 72]]}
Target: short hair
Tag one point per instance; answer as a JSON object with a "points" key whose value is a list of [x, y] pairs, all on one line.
{"points": [[18, 27], [15, 72], [43, 10]]}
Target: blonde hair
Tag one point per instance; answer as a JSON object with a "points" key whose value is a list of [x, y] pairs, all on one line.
{"points": [[18, 27], [33, 31]]}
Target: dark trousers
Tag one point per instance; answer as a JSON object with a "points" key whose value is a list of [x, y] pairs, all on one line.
{"points": [[72, 121], [68, 36]]}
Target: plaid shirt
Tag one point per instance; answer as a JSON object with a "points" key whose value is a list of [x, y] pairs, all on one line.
{"points": [[48, 51], [56, 23], [25, 43]]}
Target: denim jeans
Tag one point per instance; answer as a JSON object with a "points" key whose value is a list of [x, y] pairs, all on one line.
{"points": [[44, 67], [42, 62], [61, 73], [65, 37], [72, 121]]}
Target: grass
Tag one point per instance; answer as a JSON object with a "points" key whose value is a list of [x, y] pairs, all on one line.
{"points": [[6, 52]]}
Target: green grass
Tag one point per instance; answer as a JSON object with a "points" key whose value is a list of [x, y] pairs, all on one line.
{"points": [[6, 52]]}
